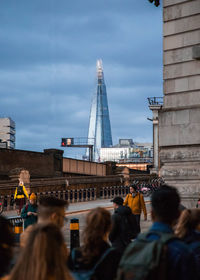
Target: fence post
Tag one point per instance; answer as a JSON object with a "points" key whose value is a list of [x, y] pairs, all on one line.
{"points": [[74, 233], [18, 229]]}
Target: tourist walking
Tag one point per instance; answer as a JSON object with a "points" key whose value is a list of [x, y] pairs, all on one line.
{"points": [[198, 203], [44, 257], [124, 225], [135, 201], [95, 258], [29, 211], [20, 196], [158, 254]]}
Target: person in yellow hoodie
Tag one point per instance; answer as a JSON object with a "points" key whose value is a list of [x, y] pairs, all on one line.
{"points": [[20, 195], [135, 201]]}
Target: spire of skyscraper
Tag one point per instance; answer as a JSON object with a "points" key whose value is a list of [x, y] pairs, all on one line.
{"points": [[99, 125]]}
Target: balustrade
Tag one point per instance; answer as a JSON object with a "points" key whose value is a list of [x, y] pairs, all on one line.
{"points": [[71, 195]]}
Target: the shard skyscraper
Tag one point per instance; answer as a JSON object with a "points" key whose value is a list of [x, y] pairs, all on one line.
{"points": [[99, 125]]}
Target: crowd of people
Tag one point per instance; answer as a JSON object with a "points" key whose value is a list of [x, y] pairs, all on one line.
{"points": [[112, 245]]}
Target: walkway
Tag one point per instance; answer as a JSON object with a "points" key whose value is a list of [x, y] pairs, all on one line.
{"points": [[79, 210]]}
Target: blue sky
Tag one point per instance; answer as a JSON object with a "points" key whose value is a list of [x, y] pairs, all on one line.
{"points": [[48, 53]]}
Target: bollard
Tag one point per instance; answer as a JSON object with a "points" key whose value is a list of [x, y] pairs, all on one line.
{"points": [[74, 233], [18, 229]]}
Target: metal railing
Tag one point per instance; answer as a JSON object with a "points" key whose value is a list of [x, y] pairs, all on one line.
{"points": [[14, 219], [73, 195], [155, 100], [72, 189]]}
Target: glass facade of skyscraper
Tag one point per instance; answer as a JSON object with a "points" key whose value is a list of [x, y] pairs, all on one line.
{"points": [[99, 125]]}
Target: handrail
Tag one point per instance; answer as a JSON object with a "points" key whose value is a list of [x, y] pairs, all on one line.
{"points": [[155, 100]]}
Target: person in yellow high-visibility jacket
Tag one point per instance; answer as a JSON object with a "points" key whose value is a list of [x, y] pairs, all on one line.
{"points": [[20, 195], [135, 201]]}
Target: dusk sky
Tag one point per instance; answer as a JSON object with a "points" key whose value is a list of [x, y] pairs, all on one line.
{"points": [[48, 54]]}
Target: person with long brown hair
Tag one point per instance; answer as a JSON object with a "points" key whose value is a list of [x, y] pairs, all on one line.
{"points": [[96, 249], [188, 223], [44, 257], [188, 229]]}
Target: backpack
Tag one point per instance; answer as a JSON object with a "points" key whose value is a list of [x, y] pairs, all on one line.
{"points": [[145, 259], [128, 226], [20, 190], [87, 274], [195, 247]]}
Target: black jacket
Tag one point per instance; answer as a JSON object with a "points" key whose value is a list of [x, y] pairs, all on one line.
{"points": [[106, 270], [193, 240], [124, 228]]}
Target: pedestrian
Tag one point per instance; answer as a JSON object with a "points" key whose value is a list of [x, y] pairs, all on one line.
{"points": [[44, 257], [20, 196], [124, 225], [95, 259], [135, 201], [158, 254], [29, 211], [50, 210], [188, 229], [198, 203], [6, 246]]}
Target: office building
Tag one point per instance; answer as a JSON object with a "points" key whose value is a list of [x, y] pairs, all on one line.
{"points": [[127, 150], [7, 133]]}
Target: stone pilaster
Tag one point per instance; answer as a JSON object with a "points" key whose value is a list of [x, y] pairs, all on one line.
{"points": [[179, 120]]}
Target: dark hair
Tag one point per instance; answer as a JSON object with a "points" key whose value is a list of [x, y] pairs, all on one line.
{"points": [[134, 187], [98, 223], [49, 205], [6, 244], [43, 257], [165, 203], [118, 200], [50, 201]]}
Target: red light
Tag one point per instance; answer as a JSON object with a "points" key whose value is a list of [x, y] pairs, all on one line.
{"points": [[63, 144]]}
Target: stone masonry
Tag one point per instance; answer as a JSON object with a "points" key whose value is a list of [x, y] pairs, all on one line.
{"points": [[179, 120]]}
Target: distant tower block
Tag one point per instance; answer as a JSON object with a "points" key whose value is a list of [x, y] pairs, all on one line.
{"points": [[99, 125]]}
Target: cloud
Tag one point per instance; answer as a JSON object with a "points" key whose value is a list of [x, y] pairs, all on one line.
{"points": [[48, 52]]}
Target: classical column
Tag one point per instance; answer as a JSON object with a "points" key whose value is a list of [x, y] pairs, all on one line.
{"points": [[155, 106]]}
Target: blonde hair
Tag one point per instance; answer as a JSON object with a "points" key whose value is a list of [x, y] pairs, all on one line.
{"points": [[188, 220], [44, 256]]}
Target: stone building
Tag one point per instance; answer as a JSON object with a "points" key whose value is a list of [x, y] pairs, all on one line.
{"points": [[179, 119]]}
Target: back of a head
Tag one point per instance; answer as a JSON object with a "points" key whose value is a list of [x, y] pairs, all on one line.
{"points": [[98, 221], [46, 250], [187, 222], [98, 224], [6, 244], [118, 200], [165, 204], [49, 205]]}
